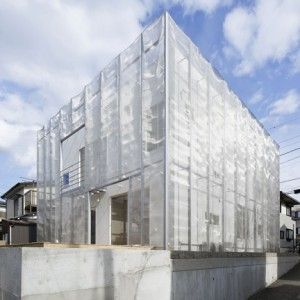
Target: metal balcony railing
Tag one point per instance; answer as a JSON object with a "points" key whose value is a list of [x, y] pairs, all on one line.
{"points": [[72, 177]]}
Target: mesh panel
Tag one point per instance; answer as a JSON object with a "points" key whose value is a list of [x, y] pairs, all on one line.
{"points": [[159, 125]]}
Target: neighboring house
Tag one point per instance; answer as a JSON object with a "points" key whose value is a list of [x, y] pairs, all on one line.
{"points": [[2, 210], [2, 216], [287, 222], [157, 150], [20, 199], [296, 218], [19, 226]]}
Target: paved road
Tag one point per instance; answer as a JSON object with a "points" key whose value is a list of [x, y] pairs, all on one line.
{"points": [[285, 288]]}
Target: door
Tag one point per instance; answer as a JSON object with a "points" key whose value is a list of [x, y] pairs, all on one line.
{"points": [[119, 220]]}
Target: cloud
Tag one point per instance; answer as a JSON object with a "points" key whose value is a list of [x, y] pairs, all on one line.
{"points": [[256, 97], [190, 6], [267, 32], [49, 51], [286, 105]]}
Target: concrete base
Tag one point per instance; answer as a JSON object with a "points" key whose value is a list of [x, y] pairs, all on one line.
{"points": [[33, 273]]}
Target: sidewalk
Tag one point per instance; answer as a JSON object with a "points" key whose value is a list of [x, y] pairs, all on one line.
{"points": [[286, 287]]}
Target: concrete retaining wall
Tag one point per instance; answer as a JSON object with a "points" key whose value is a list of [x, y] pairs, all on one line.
{"points": [[227, 277], [138, 273]]}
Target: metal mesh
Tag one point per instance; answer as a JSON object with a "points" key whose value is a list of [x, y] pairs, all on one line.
{"points": [[161, 126], [223, 178]]}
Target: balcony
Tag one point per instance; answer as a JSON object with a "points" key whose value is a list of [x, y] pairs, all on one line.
{"points": [[30, 199], [72, 177]]}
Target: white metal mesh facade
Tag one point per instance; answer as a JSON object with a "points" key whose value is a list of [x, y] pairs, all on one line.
{"points": [[203, 173]]}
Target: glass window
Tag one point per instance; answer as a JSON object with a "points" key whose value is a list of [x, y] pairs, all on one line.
{"points": [[288, 211], [66, 179], [289, 234], [281, 234]]}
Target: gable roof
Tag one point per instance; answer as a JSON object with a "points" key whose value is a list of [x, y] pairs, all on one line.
{"points": [[17, 187]]}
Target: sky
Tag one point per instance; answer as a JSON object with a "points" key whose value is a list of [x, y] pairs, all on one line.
{"points": [[49, 50]]}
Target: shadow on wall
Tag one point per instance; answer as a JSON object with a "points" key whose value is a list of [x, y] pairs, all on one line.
{"points": [[287, 287], [108, 271]]}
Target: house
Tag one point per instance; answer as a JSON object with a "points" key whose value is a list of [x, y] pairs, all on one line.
{"points": [[296, 218], [287, 222], [20, 199], [157, 150], [2, 216], [19, 224]]}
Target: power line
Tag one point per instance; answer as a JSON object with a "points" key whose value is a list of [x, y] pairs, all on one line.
{"points": [[290, 159], [293, 150], [289, 139], [291, 144], [288, 180]]}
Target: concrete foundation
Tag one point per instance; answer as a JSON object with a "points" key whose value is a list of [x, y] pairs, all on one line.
{"points": [[56, 272]]}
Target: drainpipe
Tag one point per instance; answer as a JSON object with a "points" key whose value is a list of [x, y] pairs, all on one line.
{"points": [[293, 237], [9, 235]]}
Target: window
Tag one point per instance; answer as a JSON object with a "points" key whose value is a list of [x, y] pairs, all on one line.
{"points": [[298, 230], [288, 211], [281, 234], [289, 234], [66, 179]]}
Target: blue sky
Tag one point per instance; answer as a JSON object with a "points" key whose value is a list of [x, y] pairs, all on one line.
{"points": [[50, 50]]}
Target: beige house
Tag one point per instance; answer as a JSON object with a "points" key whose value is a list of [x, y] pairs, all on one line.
{"points": [[287, 223], [20, 199]]}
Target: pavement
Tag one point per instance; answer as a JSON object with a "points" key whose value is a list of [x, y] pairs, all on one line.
{"points": [[285, 288]]}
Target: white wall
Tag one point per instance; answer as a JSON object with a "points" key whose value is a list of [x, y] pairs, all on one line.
{"points": [[70, 155], [10, 209], [134, 273], [286, 222]]}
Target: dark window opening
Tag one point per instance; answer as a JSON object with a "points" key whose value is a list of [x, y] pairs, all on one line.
{"points": [[281, 234], [289, 234], [93, 227], [119, 220]]}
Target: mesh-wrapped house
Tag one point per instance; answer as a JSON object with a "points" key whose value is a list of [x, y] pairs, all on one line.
{"points": [[157, 150]]}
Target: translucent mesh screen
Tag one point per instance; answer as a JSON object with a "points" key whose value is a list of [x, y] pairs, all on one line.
{"points": [[113, 131], [198, 170], [222, 166]]}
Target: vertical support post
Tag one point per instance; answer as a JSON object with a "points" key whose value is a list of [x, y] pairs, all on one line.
{"points": [[88, 221], [247, 204], [141, 143], [60, 196], [191, 120], [119, 117], [129, 203], [224, 167], [235, 181], [208, 160], [166, 163]]}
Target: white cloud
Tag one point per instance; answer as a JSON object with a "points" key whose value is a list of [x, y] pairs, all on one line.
{"points": [[286, 105], [256, 97], [190, 6], [267, 32], [49, 51]]}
